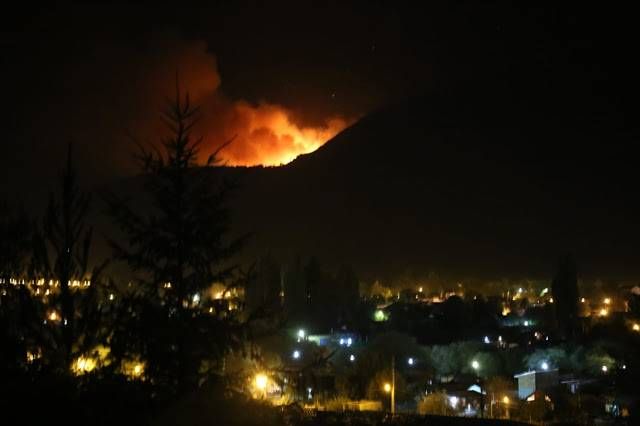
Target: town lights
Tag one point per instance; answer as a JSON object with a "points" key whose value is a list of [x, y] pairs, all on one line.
{"points": [[83, 365], [603, 312], [387, 387], [505, 399], [636, 326], [607, 301]]}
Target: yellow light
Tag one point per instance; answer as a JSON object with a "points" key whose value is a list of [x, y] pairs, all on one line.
{"points": [[83, 365], [420, 289], [607, 301], [603, 312], [387, 387], [261, 381], [551, 300], [506, 311], [636, 327], [138, 369], [53, 316], [505, 399]]}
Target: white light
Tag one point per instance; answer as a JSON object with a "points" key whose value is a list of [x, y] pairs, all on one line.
{"points": [[486, 339], [349, 341], [196, 298], [499, 338], [624, 367], [605, 369], [475, 364], [520, 290], [352, 357], [410, 361], [341, 342], [544, 365], [453, 400], [296, 354], [111, 296], [301, 333], [526, 323]]}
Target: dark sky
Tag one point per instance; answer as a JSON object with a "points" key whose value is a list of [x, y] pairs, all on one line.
{"points": [[95, 74]]}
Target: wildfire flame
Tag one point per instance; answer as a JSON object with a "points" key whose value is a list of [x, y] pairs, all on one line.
{"points": [[266, 135]]}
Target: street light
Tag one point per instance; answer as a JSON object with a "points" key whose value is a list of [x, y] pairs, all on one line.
{"points": [[476, 367], [505, 401], [387, 387], [261, 382], [296, 354], [544, 365]]}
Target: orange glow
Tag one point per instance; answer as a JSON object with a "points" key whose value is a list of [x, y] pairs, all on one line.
{"points": [[264, 134]]}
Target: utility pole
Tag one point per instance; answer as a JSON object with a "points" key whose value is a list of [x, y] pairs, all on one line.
{"points": [[393, 385]]}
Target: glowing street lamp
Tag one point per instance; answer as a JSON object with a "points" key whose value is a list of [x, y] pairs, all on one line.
{"points": [[296, 354], [352, 357], [261, 382], [636, 327], [506, 401], [604, 368], [387, 387], [607, 301], [301, 334], [410, 361], [476, 367], [544, 365]]}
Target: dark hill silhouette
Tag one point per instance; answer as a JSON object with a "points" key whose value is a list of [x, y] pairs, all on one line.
{"points": [[468, 182]]}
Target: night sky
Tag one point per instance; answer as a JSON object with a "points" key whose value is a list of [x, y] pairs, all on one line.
{"points": [[270, 73]]}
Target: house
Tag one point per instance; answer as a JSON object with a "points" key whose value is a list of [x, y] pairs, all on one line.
{"points": [[534, 381]]}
